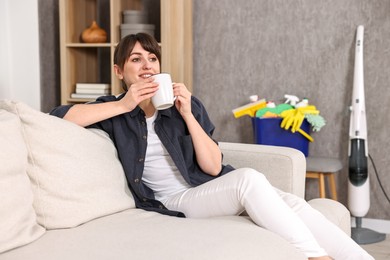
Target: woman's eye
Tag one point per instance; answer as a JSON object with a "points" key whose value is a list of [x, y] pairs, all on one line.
{"points": [[153, 59], [135, 60]]}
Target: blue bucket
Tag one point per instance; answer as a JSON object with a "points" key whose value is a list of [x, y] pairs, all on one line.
{"points": [[267, 131]]}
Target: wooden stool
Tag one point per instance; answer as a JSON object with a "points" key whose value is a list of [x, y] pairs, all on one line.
{"points": [[321, 167]]}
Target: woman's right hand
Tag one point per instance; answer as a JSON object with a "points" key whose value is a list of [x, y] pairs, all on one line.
{"points": [[139, 91]]}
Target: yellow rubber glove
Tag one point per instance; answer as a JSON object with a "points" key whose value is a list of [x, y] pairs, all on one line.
{"points": [[288, 118], [293, 118], [298, 120], [300, 116]]}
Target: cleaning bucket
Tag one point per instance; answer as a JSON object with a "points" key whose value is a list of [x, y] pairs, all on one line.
{"points": [[267, 131]]}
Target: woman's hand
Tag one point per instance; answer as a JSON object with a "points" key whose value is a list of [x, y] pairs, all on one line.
{"points": [[138, 92], [183, 99]]}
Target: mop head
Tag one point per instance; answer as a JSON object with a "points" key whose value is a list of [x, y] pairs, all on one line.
{"points": [[316, 121]]}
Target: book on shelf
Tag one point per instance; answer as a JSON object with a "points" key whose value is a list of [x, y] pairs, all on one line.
{"points": [[92, 86], [85, 96], [93, 91]]}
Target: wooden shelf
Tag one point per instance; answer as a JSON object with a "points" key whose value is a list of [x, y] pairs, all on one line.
{"points": [[86, 45], [92, 63]]}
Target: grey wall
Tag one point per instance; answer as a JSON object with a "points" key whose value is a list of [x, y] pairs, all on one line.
{"points": [[49, 48], [300, 47]]}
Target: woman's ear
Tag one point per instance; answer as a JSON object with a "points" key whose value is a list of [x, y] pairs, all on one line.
{"points": [[118, 72]]}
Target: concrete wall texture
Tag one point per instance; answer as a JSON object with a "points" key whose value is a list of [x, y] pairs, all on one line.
{"points": [[304, 48]]}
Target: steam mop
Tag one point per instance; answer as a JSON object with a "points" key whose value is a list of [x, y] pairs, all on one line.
{"points": [[358, 179]]}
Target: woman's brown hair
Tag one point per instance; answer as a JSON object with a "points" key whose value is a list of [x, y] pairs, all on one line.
{"points": [[126, 46]]}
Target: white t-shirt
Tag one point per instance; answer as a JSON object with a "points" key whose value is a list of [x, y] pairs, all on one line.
{"points": [[160, 172]]}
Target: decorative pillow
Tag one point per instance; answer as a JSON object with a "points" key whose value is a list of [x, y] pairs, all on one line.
{"points": [[18, 221], [75, 174]]}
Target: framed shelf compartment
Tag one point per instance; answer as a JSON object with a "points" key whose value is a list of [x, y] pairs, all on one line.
{"points": [[86, 64], [92, 62]]}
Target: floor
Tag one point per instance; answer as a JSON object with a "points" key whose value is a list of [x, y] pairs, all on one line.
{"points": [[381, 250]]}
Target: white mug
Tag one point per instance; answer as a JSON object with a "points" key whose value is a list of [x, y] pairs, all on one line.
{"points": [[163, 98]]}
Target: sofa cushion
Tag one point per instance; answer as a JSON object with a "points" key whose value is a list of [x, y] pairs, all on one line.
{"points": [[18, 221], [139, 234], [75, 174]]}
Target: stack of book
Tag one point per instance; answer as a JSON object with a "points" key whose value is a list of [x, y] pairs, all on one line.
{"points": [[91, 90]]}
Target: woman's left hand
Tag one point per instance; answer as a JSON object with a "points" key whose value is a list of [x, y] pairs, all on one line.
{"points": [[183, 99]]}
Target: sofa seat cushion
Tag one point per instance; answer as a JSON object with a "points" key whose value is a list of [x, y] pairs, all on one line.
{"points": [[75, 173], [18, 221], [137, 234]]}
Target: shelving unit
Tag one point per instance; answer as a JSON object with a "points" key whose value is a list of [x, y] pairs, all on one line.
{"points": [[92, 63]]}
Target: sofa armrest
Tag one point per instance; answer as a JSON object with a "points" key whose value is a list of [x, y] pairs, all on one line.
{"points": [[284, 167], [335, 212]]}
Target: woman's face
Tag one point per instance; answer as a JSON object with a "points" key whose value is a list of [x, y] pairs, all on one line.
{"points": [[140, 65]]}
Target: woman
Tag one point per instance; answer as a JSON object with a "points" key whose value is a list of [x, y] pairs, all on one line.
{"points": [[173, 166]]}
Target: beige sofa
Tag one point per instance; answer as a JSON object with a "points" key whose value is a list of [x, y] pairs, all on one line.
{"points": [[64, 196]]}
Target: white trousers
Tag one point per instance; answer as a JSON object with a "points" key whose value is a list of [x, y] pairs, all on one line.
{"points": [[283, 213]]}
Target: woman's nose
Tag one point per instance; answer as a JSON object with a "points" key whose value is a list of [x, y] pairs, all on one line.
{"points": [[147, 65]]}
